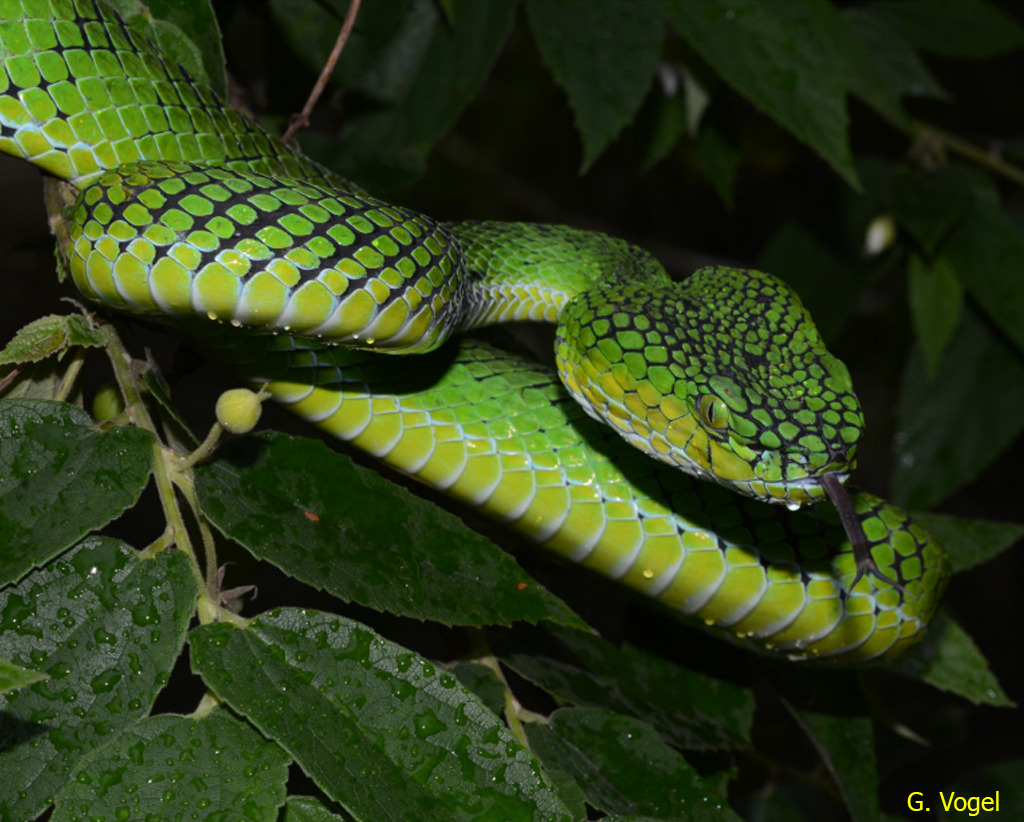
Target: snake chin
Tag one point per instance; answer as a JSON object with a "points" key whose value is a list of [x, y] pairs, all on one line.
{"points": [[795, 494]]}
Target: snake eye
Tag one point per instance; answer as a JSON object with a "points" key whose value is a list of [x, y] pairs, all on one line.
{"points": [[713, 412]]}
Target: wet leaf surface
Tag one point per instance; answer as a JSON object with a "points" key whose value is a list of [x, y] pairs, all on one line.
{"points": [[377, 727], [61, 478], [346, 530], [949, 660], [624, 767], [212, 767], [689, 709], [106, 627], [49, 335]]}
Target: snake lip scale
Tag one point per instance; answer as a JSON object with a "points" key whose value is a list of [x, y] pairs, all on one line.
{"points": [[684, 422]]}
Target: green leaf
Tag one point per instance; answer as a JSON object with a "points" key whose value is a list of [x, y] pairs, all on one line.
{"points": [[1005, 779], [778, 56], [630, 818], [928, 204], [719, 159], [107, 627], [786, 801], [900, 66], [690, 709], [965, 28], [383, 52], [570, 793], [43, 380], [826, 285], [948, 659], [942, 441], [186, 30], [346, 530], [603, 53], [48, 335], [377, 727], [311, 809], [970, 542], [671, 118], [177, 429], [829, 707], [987, 253], [936, 300], [859, 65], [448, 7], [61, 478], [388, 147], [483, 682], [13, 677], [623, 766], [221, 768]]}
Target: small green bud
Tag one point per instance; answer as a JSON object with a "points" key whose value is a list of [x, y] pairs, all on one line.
{"points": [[108, 402], [238, 410]]}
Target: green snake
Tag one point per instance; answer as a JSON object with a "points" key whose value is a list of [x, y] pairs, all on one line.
{"points": [[679, 413]]}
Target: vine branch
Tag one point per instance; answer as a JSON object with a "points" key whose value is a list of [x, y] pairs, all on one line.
{"points": [[136, 406]]}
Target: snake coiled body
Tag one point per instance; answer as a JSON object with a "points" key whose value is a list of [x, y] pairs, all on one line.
{"points": [[665, 393]]}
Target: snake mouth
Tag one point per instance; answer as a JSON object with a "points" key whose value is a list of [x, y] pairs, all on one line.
{"points": [[794, 494], [818, 482]]}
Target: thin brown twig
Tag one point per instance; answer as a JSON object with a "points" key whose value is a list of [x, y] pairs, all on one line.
{"points": [[301, 120], [7, 380]]}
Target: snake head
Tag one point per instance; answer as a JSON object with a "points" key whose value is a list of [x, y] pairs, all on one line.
{"points": [[723, 375]]}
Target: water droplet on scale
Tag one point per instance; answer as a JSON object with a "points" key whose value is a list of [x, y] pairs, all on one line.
{"points": [[793, 506]]}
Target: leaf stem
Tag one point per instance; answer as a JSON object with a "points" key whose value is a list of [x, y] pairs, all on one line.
{"points": [[482, 655], [71, 375], [121, 361], [187, 487], [161, 543], [206, 705], [207, 447], [988, 159]]}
